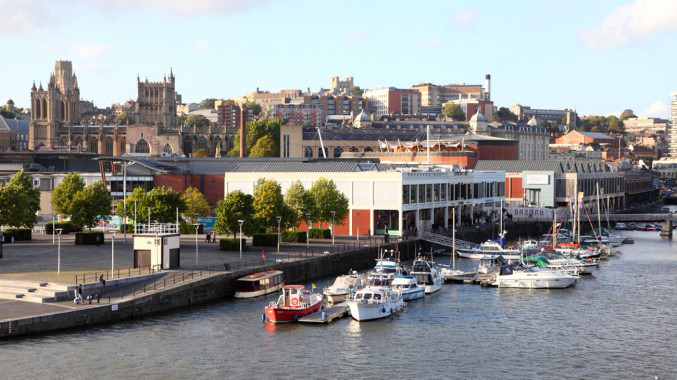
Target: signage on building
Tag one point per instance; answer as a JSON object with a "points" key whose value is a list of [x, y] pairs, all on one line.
{"points": [[538, 179], [536, 214]]}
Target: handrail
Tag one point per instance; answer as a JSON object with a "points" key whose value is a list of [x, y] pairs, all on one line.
{"points": [[119, 273]]}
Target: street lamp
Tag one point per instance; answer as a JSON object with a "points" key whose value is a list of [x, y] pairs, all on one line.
{"points": [[240, 221], [112, 255], [308, 237], [53, 225], [333, 214], [279, 219], [58, 252], [197, 226]]}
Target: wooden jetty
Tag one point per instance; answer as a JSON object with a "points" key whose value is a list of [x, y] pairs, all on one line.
{"points": [[327, 315]]}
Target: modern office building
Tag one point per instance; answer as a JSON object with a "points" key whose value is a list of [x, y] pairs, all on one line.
{"points": [[391, 100]]}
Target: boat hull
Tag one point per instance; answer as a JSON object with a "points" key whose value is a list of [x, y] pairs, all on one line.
{"points": [[287, 315], [336, 298], [371, 311], [430, 289], [258, 293], [413, 295], [476, 255], [551, 283]]}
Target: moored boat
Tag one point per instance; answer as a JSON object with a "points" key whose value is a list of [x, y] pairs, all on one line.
{"points": [[375, 302], [407, 287], [294, 303], [532, 278], [488, 248], [427, 275], [343, 286], [259, 284]]}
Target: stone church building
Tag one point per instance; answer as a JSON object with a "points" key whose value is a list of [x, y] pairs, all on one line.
{"points": [[152, 127]]}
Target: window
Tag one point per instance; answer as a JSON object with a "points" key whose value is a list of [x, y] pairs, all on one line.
{"points": [[436, 192], [142, 147], [167, 149], [443, 191], [405, 194], [421, 193], [413, 193], [429, 192]]}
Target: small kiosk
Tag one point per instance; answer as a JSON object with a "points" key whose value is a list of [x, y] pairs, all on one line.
{"points": [[157, 245]]}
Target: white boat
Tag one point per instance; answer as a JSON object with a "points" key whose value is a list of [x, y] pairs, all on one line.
{"points": [[427, 275], [488, 264], [375, 302], [259, 284], [530, 246], [489, 248], [407, 287], [343, 286], [533, 278]]}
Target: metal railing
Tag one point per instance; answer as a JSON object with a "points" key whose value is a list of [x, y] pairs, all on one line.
{"points": [[119, 273], [156, 228]]}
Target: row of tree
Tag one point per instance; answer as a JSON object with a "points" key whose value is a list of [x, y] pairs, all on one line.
{"points": [[19, 202]]}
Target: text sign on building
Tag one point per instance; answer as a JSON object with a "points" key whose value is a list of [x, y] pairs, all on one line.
{"points": [[538, 179]]}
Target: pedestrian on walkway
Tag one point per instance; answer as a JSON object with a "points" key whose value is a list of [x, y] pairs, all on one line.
{"points": [[78, 295], [97, 240], [213, 236], [102, 281], [208, 237]]}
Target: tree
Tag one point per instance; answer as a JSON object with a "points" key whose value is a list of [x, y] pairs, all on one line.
{"points": [[252, 106], [628, 113], [196, 203], [19, 202], [121, 118], [255, 131], [356, 91], [63, 196], [236, 206], [181, 119], [615, 125], [163, 203], [207, 104], [268, 203], [7, 114], [453, 111], [200, 153], [328, 198], [132, 202], [299, 201], [504, 114], [197, 121], [265, 147], [90, 204], [595, 129]]}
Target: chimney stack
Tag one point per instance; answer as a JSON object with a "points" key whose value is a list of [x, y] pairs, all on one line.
{"points": [[487, 87]]}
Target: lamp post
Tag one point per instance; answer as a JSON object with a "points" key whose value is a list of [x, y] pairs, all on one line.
{"points": [[333, 214], [112, 256], [53, 225], [197, 226], [58, 252], [279, 219], [308, 237], [240, 221]]}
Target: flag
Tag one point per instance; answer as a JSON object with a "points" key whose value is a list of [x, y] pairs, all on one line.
{"points": [[313, 287], [263, 255]]}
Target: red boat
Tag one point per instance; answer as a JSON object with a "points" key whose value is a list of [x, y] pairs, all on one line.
{"points": [[295, 302]]}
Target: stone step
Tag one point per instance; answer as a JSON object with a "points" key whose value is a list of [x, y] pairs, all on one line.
{"points": [[37, 284], [10, 296]]}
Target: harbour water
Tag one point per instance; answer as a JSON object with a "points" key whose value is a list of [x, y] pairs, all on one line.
{"points": [[618, 323]]}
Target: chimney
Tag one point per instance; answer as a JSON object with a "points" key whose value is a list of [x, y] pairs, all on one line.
{"points": [[243, 132], [487, 87]]}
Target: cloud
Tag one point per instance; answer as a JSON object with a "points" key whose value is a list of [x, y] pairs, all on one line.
{"points": [[657, 108], [431, 43], [630, 23], [356, 36], [24, 16], [93, 51], [201, 44], [465, 18], [183, 7]]}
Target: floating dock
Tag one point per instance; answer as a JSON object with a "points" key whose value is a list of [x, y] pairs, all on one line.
{"points": [[327, 315]]}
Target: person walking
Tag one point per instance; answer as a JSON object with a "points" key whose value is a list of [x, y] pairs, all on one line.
{"points": [[102, 281], [213, 236]]}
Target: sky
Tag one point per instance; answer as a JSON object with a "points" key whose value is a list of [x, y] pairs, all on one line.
{"points": [[597, 57]]}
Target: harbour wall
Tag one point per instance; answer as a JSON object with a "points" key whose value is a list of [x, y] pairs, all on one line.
{"points": [[208, 289]]}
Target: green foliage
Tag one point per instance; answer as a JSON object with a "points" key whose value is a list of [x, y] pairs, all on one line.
{"points": [[615, 125], [163, 203], [18, 233], [19, 202], [207, 104], [253, 106], [256, 130], [595, 129], [91, 204], [320, 233], [200, 153], [121, 118], [197, 121], [196, 203], [6, 113], [265, 147], [67, 227], [236, 206], [550, 126], [232, 244], [328, 198], [88, 238], [293, 236], [63, 196], [264, 240], [299, 201], [626, 114], [356, 91], [453, 111], [130, 228], [189, 229], [268, 203], [504, 114]]}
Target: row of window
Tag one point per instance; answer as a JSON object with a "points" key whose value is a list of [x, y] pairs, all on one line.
{"points": [[442, 192]]}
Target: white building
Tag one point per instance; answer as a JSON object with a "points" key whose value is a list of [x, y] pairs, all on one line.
{"points": [[673, 125], [401, 197]]}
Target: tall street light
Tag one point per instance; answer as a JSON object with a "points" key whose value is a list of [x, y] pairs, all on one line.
{"points": [[53, 225], [197, 226], [333, 214], [308, 237], [279, 219], [240, 221], [58, 252], [112, 255]]}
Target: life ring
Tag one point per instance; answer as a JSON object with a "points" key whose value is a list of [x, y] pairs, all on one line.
{"points": [[294, 301], [589, 260]]}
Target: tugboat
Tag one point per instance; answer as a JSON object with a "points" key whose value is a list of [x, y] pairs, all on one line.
{"points": [[295, 302]]}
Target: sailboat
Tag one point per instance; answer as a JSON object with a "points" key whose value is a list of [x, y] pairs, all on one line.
{"points": [[451, 273]]}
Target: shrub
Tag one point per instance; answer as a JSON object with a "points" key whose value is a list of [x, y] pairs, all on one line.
{"points": [[232, 244], [294, 236], [88, 238], [21, 233], [189, 229], [320, 233], [264, 240], [130, 228], [7, 236], [67, 227]]}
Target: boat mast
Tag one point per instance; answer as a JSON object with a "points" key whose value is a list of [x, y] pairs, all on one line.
{"points": [[453, 238], [501, 220], [599, 216]]}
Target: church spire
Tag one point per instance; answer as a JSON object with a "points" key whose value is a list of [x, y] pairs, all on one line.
{"points": [[33, 88]]}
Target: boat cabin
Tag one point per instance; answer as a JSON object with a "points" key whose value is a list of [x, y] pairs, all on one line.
{"points": [[260, 281], [293, 295], [370, 296]]}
